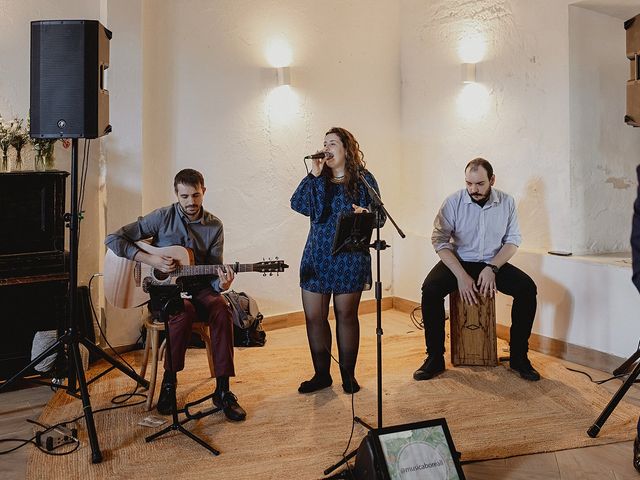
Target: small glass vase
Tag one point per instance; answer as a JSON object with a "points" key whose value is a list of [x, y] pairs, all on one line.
{"points": [[18, 164], [4, 166], [38, 162], [50, 161]]}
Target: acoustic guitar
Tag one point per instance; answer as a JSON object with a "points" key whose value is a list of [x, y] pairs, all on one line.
{"points": [[126, 282]]}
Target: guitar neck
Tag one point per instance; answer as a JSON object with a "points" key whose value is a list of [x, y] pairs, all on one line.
{"points": [[194, 270]]}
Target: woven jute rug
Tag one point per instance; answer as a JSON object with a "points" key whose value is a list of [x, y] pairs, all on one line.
{"points": [[491, 412]]}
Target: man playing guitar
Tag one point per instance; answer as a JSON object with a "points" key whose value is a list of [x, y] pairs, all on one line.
{"points": [[188, 224]]}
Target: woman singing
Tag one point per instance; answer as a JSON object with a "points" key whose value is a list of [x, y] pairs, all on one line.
{"points": [[333, 187]]}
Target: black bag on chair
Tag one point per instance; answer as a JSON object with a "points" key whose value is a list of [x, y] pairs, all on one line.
{"points": [[247, 320]]}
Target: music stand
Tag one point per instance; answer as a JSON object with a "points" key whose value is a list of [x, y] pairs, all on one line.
{"points": [[353, 232]]}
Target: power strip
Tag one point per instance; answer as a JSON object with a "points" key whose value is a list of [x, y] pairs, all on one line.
{"points": [[56, 437]]}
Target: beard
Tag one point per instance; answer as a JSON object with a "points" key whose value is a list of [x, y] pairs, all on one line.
{"points": [[479, 198]]}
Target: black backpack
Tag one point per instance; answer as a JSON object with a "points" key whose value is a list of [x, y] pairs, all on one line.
{"points": [[247, 320]]}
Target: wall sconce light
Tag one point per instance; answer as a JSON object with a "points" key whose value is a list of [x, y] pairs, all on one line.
{"points": [[468, 72], [283, 75]]}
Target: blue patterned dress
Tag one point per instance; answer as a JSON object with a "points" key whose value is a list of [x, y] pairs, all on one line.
{"points": [[320, 271]]}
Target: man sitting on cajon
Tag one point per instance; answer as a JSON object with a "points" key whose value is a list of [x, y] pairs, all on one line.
{"points": [[475, 234]]}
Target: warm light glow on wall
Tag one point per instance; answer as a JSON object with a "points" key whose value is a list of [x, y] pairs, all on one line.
{"points": [[279, 53], [472, 48], [473, 101], [282, 104]]}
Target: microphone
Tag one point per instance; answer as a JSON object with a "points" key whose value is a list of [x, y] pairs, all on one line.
{"points": [[319, 155]]}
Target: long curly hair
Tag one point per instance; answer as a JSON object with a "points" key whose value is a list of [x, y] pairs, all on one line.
{"points": [[354, 160]]}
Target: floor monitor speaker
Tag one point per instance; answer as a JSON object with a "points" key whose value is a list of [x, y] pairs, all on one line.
{"points": [[69, 98], [422, 450]]}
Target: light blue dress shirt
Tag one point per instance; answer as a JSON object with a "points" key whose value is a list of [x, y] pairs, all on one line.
{"points": [[475, 233]]}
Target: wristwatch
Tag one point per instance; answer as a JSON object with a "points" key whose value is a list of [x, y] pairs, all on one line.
{"points": [[493, 268]]}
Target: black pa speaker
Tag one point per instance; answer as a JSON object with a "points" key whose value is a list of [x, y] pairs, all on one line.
{"points": [[632, 27], [68, 95], [422, 450]]}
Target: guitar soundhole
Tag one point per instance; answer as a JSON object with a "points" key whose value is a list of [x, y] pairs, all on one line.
{"points": [[160, 275]]}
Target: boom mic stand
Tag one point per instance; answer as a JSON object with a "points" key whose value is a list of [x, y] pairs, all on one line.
{"points": [[73, 336], [379, 245]]}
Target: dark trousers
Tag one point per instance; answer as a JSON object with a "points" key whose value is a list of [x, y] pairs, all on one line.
{"points": [[210, 307], [510, 280]]}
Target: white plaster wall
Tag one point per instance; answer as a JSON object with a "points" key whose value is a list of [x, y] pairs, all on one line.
{"points": [[208, 106], [120, 176], [583, 302], [604, 151], [524, 131]]}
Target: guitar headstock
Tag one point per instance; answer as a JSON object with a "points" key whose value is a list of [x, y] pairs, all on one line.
{"points": [[270, 266]]}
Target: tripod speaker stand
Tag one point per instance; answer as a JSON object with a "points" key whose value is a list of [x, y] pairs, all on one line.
{"points": [[72, 337], [594, 430]]}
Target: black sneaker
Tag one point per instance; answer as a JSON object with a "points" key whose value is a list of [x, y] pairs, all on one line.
{"points": [[164, 400], [525, 369], [432, 366], [317, 382], [228, 402]]}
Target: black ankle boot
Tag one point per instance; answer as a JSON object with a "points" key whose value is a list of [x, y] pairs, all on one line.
{"points": [[349, 382], [169, 383], [318, 382], [636, 454], [350, 385]]}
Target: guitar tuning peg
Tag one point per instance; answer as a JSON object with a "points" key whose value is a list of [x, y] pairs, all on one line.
{"points": [[271, 274], [264, 274]]}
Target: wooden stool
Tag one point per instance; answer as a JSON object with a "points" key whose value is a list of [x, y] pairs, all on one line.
{"points": [[153, 333], [473, 331]]}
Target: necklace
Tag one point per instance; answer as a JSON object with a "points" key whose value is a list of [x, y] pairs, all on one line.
{"points": [[337, 179]]}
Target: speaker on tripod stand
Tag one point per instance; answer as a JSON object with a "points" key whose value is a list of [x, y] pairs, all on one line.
{"points": [[69, 100]]}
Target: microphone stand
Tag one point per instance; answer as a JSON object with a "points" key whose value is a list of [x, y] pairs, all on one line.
{"points": [[378, 207], [379, 245]]}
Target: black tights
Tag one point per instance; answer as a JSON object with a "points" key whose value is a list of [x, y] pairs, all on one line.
{"points": [[316, 312]]}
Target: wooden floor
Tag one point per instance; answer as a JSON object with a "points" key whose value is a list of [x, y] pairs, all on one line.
{"points": [[598, 463], [15, 407]]}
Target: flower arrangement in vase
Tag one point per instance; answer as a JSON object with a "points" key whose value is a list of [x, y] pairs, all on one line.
{"points": [[5, 143], [18, 138], [44, 147]]}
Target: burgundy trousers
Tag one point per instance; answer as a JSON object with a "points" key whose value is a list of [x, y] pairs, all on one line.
{"points": [[210, 307]]}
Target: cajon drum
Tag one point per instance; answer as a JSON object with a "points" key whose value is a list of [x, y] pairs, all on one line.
{"points": [[473, 331]]}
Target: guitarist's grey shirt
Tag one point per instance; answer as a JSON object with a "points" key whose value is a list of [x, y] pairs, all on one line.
{"points": [[169, 226]]}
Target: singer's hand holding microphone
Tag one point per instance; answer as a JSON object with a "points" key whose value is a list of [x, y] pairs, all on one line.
{"points": [[318, 160]]}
